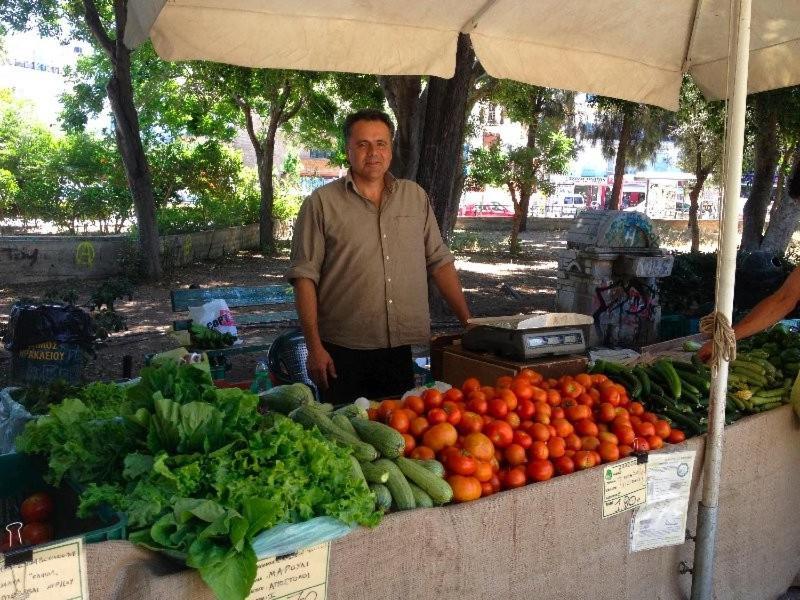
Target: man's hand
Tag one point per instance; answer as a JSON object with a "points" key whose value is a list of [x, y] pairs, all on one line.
{"points": [[320, 367], [705, 351]]}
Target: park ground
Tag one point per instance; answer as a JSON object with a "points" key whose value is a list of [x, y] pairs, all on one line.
{"points": [[494, 282]]}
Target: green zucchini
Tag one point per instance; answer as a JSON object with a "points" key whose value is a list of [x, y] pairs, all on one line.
{"points": [[434, 466], [383, 497], [357, 472], [310, 417], [436, 487], [375, 472], [387, 441], [402, 496], [420, 497]]}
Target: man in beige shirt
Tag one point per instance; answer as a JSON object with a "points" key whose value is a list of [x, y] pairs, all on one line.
{"points": [[363, 249]]}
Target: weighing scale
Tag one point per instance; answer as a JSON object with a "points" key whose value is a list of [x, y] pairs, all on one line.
{"points": [[524, 337]]}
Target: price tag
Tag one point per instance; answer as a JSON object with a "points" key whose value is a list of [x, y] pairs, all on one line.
{"points": [[624, 486], [54, 572], [300, 576]]}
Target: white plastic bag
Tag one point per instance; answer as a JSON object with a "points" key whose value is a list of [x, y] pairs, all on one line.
{"points": [[214, 314]]}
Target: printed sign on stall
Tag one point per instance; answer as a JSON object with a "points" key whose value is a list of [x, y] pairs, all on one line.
{"points": [[624, 486], [299, 576], [53, 572]]}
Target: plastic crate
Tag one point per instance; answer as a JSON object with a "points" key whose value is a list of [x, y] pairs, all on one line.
{"points": [[21, 476], [677, 326]]}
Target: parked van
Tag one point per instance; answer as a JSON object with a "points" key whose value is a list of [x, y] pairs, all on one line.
{"points": [[565, 205]]}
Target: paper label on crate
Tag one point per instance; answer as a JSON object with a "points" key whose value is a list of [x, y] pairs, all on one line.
{"points": [[300, 576], [662, 520], [54, 572], [624, 486]]}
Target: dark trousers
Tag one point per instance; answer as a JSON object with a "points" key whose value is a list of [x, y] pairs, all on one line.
{"points": [[372, 374]]}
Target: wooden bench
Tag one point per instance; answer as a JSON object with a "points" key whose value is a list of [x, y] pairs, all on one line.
{"points": [[238, 297]]}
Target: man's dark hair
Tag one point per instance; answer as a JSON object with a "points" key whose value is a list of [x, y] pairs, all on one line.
{"points": [[367, 114]]}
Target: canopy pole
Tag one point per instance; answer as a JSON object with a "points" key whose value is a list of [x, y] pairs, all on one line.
{"points": [[703, 571]]}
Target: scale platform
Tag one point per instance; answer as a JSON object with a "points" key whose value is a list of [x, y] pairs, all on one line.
{"points": [[524, 337]]}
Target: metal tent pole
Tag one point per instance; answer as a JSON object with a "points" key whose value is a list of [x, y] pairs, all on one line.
{"points": [[703, 574]]}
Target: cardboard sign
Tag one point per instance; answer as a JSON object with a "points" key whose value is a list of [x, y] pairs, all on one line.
{"points": [[624, 486], [54, 572], [300, 576]]}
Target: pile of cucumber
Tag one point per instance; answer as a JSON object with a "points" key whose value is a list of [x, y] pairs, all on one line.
{"points": [[755, 384], [779, 346], [399, 483]]}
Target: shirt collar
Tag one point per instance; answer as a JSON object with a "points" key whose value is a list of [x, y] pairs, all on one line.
{"points": [[389, 181]]}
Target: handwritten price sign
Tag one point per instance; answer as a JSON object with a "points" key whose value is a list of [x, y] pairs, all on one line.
{"points": [[624, 486], [301, 576], [54, 572]]}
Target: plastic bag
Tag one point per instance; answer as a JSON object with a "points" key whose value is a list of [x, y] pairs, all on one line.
{"points": [[31, 324], [13, 417], [214, 314], [289, 538], [439, 385]]}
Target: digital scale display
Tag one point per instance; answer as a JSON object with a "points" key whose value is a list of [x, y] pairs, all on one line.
{"points": [[553, 340]]}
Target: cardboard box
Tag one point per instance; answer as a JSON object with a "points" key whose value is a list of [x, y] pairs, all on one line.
{"points": [[452, 364]]}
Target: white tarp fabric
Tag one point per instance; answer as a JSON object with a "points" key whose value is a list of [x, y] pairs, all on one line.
{"points": [[631, 49]]}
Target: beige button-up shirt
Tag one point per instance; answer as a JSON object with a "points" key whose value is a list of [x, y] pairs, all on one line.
{"points": [[370, 264]]}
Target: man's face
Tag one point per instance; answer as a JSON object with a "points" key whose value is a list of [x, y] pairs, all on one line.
{"points": [[369, 149]]}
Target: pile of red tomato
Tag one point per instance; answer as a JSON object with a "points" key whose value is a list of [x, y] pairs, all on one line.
{"points": [[524, 429]]}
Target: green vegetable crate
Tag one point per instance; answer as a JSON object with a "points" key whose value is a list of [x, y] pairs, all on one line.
{"points": [[21, 476]]}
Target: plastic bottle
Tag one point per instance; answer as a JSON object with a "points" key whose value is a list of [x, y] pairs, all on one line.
{"points": [[261, 380]]}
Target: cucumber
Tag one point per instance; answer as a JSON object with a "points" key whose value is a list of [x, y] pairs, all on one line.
{"points": [[383, 497], [420, 497], [670, 376], [310, 417], [436, 487], [741, 363], [700, 383], [402, 496], [434, 466], [357, 472], [766, 407], [351, 411], [683, 421], [344, 423], [688, 387], [375, 472], [384, 439], [644, 380]]}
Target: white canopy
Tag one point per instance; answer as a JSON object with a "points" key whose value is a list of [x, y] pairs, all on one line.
{"points": [[631, 49]]}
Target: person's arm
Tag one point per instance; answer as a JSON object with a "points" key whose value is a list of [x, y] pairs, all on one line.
{"points": [[766, 313], [320, 364], [449, 285]]}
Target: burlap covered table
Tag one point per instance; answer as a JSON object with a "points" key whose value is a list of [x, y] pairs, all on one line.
{"points": [[542, 541]]}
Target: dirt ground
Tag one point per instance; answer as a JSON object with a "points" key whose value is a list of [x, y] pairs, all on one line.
{"points": [[494, 284]]}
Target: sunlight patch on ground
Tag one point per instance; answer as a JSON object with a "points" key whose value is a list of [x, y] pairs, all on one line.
{"points": [[503, 268]]}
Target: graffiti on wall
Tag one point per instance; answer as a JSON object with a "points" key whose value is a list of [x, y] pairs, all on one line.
{"points": [[621, 309], [15, 254], [84, 255]]}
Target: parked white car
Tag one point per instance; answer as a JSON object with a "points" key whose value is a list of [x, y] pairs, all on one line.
{"points": [[565, 205]]}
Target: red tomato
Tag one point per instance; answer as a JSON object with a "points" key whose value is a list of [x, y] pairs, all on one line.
{"points": [[655, 442], [470, 423], [676, 436], [606, 413], [461, 463], [454, 395], [500, 433], [640, 444], [589, 442], [37, 533], [586, 427], [649, 417], [411, 443], [663, 429], [479, 446], [453, 412], [415, 403], [645, 429], [625, 450], [432, 398], [523, 439], [608, 452], [498, 408], [564, 465], [483, 471], [471, 384], [583, 459], [512, 419], [522, 389], [538, 450], [465, 488], [556, 447], [509, 398], [488, 391], [436, 416], [423, 453], [514, 455], [477, 403], [418, 426], [398, 420], [515, 477], [526, 409], [540, 470], [37, 508], [495, 482]]}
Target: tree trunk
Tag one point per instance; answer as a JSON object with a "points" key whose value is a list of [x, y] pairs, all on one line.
{"points": [[694, 197], [443, 135], [129, 142], [515, 222], [405, 98], [765, 161], [786, 157], [526, 191], [783, 225], [619, 168]]}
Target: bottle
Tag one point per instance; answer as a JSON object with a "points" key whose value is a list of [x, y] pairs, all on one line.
{"points": [[261, 380]]}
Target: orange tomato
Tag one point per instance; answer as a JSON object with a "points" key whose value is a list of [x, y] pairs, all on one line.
{"points": [[556, 447], [470, 423], [598, 378], [573, 442], [479, 446], [504, 381], [634, 420], [583, 460], [538, 451], [513, 419], [655, 442], [558, 412], [586, 399], [553, 397], [607, 436], [586, 427], [398, 420], [645, 429], [489, 392], [625, 434], [663, 429], [465, 488], [589, 442], [563, 427], [676, 436], [584, 379], [522, 438], [611, 395], [440, 436], [411, 444], [608, 452], [418, 426], [515, 478], [507, 396], [649, 417], [594, 393], [605, 412], [423, 453], [514, 455], [625, 450], [564, 465], [539, 395], [540, 432], [578, 413], [416, 404], [540, 470], [522, 389], [530, 375], [386, 407], [483, 471], [636, 408], [471, 384]]}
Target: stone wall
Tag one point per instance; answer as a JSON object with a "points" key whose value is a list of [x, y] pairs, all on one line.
{"points": [[547, 224], [36, 258]]}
